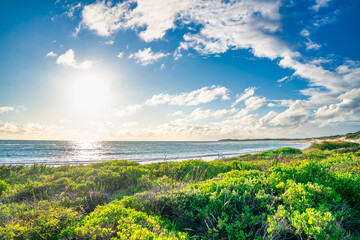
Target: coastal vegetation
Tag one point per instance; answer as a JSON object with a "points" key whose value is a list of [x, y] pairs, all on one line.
{"points": [[278, 194]]}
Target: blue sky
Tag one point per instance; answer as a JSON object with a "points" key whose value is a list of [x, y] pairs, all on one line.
{"points": [[178, 69]]}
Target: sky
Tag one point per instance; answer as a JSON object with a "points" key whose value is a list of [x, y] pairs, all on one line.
{"points": [[178, 69]]}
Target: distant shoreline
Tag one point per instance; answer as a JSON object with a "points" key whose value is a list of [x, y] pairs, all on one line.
{"points": [[266, 139], [349, 137]]}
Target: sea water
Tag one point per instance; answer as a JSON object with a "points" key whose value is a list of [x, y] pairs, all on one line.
{"points": [[55, 153]]}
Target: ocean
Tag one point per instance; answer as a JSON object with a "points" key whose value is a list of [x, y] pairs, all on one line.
{"points": [[56, 153]]}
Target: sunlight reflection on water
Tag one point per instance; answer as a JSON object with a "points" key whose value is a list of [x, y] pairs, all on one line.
{"points": [[86, 150]]}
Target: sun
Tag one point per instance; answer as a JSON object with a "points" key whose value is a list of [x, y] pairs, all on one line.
{"points": [[89, 93]]}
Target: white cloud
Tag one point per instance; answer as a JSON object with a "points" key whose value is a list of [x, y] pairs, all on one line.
{"points": [[347, 104], [156, 16], [6, 109], [51, 54], [120, 55], [254, 103], [320, 4], [251, 102], [110, 42], [177, 113], [9, 128], [68, 59], [280, 103], [198, 113], [104, 19], [242, 113], [310, 45], [305, 33], [147, 56], [196, 97], [264, 121], [162, 66], [296, 114], [247, 93], [128, 110], [72, 9], [282, 79], [236, 25]]}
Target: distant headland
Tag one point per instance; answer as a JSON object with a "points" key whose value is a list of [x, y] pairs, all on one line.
{"points": [[346, 137]]}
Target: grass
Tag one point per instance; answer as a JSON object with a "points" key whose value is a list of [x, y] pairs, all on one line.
{"points": [[278, 194]]}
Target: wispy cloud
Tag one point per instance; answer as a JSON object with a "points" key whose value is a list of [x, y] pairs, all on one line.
{"points": [[282, 79], [72, 9], [51, 54], [128, 110], [320, 4], [120, 55], [196, 97], [110, 42], [147, 56], [246, 94], [310, 45], [305, 33], [198, 113]]}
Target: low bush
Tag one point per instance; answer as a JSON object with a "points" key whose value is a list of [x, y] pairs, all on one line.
{"points": [[114, 221], [41, 220]]}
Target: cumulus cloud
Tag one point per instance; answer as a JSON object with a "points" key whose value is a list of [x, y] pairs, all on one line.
{"points": [[128, 110], [68, 59], [296, 114], [9, 128], [155, 16], [147, 56], [104, 19], [254, 103], [236, 25], [6, 109], [196, 97]]}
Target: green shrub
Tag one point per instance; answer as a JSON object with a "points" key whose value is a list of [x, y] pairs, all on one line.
{"points": [[43, 220], [3, 186], [325, 145], [309, 224], [233, 206], [116, 222]]}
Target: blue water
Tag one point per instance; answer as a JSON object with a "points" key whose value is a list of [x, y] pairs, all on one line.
{"points": [[84, 152]]}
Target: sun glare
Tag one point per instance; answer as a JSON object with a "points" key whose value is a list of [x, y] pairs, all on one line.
{"points": [[89, 93]]}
